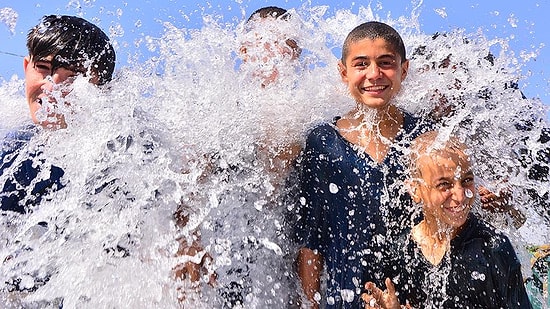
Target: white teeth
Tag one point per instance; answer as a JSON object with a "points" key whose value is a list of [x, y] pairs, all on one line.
{"points": [[458, 208], [375, 88]]}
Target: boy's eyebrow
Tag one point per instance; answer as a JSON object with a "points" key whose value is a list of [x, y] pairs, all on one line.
{"points": [[392, 56], [469, 173]]}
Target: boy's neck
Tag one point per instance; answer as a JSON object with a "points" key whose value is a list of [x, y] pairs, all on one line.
{"points": [[433, 242], [373, 130], [371, 124], [371, 118]]}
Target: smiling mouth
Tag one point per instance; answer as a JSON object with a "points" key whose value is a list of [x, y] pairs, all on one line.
{"points": [[374, 88], [457, 209]]}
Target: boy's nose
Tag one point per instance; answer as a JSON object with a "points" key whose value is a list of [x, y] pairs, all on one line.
{"points": [[48, 84], [373, 72], [458, 192], [51, 82]]}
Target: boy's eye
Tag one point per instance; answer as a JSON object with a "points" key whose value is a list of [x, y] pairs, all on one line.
{"points": [[444, 186], [361, 64], [468, 181], [43, 67], [386, 64]]}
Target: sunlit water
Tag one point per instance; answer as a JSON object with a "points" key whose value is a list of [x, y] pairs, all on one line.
{"points": [[194, 128]]}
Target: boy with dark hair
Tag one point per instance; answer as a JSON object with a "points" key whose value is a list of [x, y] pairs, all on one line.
{"points": [[60, 48], [269, 48], [268, 52], [451, 259], [269, 11], [351, 170]]}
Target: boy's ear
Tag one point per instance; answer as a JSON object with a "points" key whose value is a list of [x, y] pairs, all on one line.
{"points": [[404, 69], [413, 187], [343, 71], [26, 61]]}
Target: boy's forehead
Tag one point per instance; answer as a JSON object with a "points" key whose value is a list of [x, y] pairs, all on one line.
{"points": [[371, 48], [440, 163], [270, 26]]}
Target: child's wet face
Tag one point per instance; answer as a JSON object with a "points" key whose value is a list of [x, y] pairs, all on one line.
{"points": [[40, 78], [267, 48], [447, 190], [373, 72]]}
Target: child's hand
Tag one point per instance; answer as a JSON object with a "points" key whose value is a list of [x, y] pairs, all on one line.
{"points": [[500, 203], [381, 299], [196, 264], [492, 202]]}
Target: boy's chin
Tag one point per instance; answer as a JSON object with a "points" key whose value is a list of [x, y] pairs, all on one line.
{"points": [[372, 103], [56, 124]]}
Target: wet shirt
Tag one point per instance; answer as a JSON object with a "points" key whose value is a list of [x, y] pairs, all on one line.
{"points": [[349, 206], [23, 179], [481, 270]]}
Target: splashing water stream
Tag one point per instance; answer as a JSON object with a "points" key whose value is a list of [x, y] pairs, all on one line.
{"points": [[204, 136]]}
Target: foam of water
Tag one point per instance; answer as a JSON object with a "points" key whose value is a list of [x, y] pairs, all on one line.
{"points": [[8, 16], [193, 128]]}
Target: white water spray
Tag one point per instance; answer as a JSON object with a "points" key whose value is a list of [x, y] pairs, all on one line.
{"points": [[205, 136]]}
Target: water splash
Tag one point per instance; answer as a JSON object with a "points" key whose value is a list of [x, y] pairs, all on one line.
{"points": [[194, 129], [8, 16]]}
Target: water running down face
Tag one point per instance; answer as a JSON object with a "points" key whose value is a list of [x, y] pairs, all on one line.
{"points": [[446, 188], [268, 48]]}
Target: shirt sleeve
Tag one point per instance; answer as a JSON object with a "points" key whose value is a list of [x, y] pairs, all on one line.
{"points": [[508, 276], [310, 198]]}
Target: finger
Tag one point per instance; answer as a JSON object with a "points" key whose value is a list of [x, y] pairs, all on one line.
{"points": [[377, 293], [482, 190], [369, 285], [370, 301], [366, 297], [389, 286], [180, 272], [194, 271]]}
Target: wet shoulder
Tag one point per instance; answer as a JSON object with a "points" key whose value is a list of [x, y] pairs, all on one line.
{"points": [[323, 136], [478, 232], [414, 126]]}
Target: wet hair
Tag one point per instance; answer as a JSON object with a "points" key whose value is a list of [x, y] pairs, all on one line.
{"points": [[270, 11], [432, 143], [75, 44], [375, 30]]}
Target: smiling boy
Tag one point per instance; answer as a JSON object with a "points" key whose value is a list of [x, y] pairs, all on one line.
{"points": [[350, 171], [451, 259], [60, 49]]}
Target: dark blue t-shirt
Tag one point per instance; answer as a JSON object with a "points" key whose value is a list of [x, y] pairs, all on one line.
{"points": [[19, 169], [351, 207], [480, 271]]}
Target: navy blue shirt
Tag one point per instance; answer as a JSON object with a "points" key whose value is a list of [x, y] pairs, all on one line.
{"points": [[481, 270], [350, 207], [19, 169]]}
